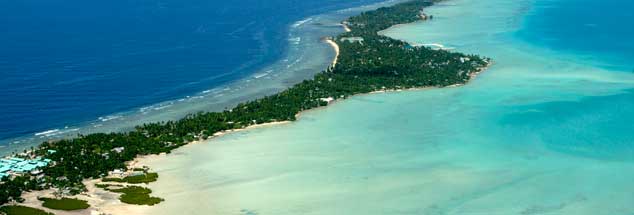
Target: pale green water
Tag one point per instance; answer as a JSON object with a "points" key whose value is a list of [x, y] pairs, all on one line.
{"points": [[538, 133]]}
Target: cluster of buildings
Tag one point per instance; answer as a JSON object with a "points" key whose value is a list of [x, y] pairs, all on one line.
{"points": [[352, 39], [20, 166], [424, 16]]}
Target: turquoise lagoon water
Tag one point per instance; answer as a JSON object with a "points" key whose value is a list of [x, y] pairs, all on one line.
{"points": [[543, 131]]}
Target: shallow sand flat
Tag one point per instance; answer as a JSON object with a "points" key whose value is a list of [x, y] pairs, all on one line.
{"points": [[541, 132], [311, 168]]}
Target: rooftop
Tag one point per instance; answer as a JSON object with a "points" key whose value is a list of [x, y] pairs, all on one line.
{"points": [[20, 165]]}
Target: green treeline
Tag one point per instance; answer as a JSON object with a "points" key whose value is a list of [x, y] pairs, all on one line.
{"points": [[367, 62], [371, 22]]}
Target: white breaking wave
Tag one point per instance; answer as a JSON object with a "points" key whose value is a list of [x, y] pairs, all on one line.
{"points": [[295, 40], [301, 22], [108, 118], [47, 133]]}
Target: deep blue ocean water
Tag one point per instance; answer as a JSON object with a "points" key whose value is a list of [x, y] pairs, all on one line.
{"points": [[63, 63], [601, 31], [66, 62], [539, 132]]}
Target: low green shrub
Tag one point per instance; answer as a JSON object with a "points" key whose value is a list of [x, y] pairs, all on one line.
{"points": [[22, 210], [137, 196], [66, 204]]}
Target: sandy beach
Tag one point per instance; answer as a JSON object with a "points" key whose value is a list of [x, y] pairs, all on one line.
{"points": [[106, 202], [345, 27], [31, 200], [100, 200], [336, 49], [534, 135]]}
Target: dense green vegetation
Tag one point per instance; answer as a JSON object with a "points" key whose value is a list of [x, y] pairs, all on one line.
{"points": [[22, 210], [105, 186], [137, 179], [137, 195], [11, 190], [371, 22], [367, 62], [66, 204]]}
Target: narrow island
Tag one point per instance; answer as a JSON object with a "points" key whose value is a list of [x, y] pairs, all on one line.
{"points": [[366, 62]]}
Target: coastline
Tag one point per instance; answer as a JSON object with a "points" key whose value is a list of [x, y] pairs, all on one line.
{"points": [[119, 208], [278, 77], [531, 159], [335, 47], [300, 61], [345, 27], [104, 203], [107, 202]]}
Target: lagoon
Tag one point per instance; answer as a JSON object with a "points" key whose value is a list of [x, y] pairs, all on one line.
{"points": [[542, 131]]}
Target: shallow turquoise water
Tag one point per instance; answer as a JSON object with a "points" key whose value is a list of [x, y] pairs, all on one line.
{"points": [[541, 132]]}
